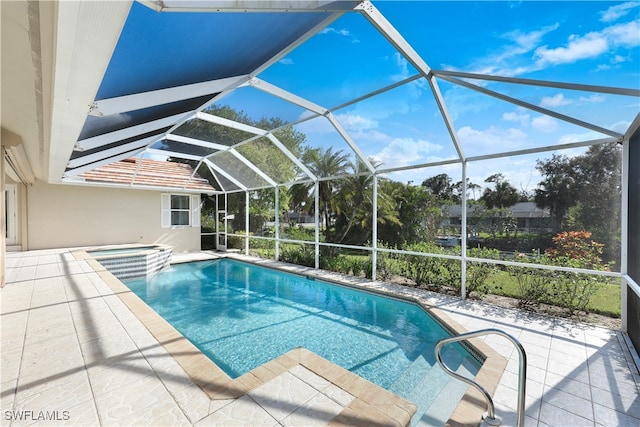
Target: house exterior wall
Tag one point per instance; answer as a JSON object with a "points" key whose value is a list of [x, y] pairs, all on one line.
{"points": [[70, 216]]}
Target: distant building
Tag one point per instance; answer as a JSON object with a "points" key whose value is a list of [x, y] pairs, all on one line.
{"points": [[531, 219]]}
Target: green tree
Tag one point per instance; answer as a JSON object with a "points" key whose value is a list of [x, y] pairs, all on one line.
{"points": [[419, 214], [503, 195], [584, 193], [557, 191], [354, 206], [442, 187], [323, 164]]}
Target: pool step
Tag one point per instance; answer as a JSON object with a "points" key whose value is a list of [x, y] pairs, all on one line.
{"points": [[434, 393]]}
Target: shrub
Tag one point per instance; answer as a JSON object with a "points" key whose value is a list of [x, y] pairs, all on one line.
{"points": [[573, 291], [424, 270], [533, 285], [299, 254], [479, 273]]}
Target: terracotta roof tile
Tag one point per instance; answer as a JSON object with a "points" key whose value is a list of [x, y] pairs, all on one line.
{"points": [[149, 172]]}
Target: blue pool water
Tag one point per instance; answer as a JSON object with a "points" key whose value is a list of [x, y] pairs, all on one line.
{"points": [[241, 316]]}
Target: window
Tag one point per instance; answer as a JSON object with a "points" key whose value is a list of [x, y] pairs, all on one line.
{"points": [[180, 210]]}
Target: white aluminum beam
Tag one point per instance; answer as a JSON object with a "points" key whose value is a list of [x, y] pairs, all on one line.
{"points": [[392, 35], [230, 123], [345, 135], [173, 154], [540, 83], [378, 20], [121, 104], [78, 181], [111, 137], [253, 167], [444, 112], [543, 149], [256, 131], [287, 96], [533, 107], [291, 157], [97, 164], [215, 176], [103, 154], [225, 174], [251, 5], [198, 142]]}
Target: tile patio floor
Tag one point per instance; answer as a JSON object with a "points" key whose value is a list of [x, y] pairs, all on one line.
{"points": [[72, 350]]}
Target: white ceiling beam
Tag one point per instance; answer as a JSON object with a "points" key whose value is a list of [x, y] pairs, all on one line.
{"points": [[533, 107], [543, 149], [230, 123], [290, 156], [121, 156], [198, 142], [215, 176], [173, 154], [444, 112], [287, 96], [345, 135], [118, 135], [251, 5], [103, 154], [380, 22], [225, 174], [137, 101], [542, 83], [79, 181], [85, 35], [253, 167]]}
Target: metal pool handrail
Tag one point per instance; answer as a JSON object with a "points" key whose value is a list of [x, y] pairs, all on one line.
{"points": [[490, 415]]}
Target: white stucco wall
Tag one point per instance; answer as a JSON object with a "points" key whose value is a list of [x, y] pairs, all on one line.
{"points": [[70, 216]]}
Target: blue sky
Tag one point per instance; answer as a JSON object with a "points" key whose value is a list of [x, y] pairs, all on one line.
{"points": [[585, 42]]}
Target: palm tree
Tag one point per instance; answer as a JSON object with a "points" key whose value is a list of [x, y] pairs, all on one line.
{"points": [[323, 164], [503, 195]]}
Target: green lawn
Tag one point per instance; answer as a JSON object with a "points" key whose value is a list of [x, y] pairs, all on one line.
{"points": [[605, 301]]}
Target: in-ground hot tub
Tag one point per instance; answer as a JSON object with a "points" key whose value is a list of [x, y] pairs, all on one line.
{"points": [[132, 261]]}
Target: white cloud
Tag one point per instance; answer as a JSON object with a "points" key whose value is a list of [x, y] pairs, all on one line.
{"points": [[544, 124], [356, 123], [493, 138], [521, 118], [591, 45], [286, 61], [555, 101], [340, 32], [522, 43], [580, 137], [595, 98], [618, 11], [407, 151], [625, 35], [588, 46], [528, 41], [319, 125], [403, 66], [621, 126], [331, 30]]}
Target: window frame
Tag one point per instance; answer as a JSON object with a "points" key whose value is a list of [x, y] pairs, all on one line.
{"points": [[193, 210]]}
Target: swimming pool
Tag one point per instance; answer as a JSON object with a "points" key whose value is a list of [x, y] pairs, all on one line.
{"points": [[241, 316]]}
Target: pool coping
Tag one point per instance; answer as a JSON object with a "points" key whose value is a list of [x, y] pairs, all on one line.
{"points": [[372, 403]]}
